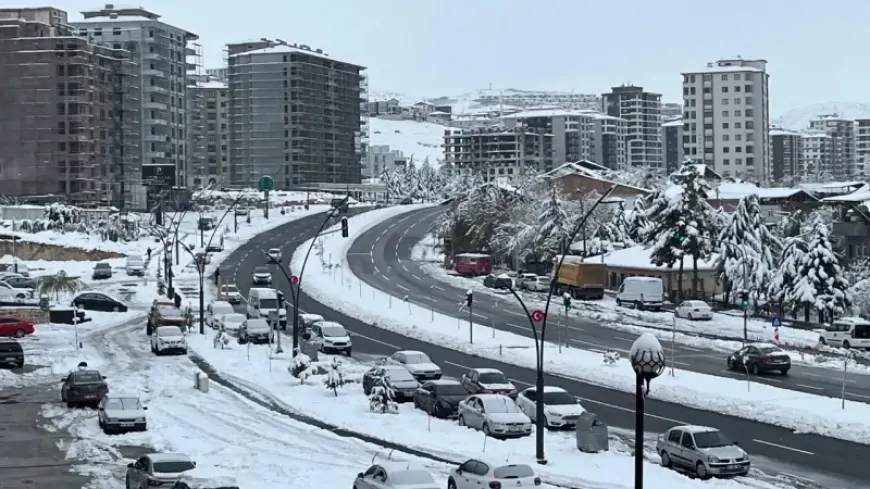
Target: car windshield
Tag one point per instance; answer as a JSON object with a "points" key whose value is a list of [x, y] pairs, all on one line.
{"points": [[268, 303], [170, 331], [333, 331], [169, 311], [123, 403], [103, 265], [233, 318], [500, 404], [87, 377], [767, 350], [399, 374], [412, 477], [557, 398], [172, 467], [264, 270], [258, 324], [492, 378], [274, 251], [417, 358], [711, 439], [230, 288], [513, 472], [451, 390]]}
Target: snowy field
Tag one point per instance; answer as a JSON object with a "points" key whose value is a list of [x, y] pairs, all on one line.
{"points": [[794, 410], [421, 140], [277, 198]]}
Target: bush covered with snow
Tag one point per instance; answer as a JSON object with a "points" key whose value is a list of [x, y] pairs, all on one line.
{"points": [[300, 366], [382, 399], [335, 376]]}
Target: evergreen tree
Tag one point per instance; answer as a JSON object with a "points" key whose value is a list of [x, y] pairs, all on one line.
{"points": [[554, 228], [820, 284], [767, 248], [383, 396], [738, 242], [665, 230], [638, 223], [697, 220], [782, 286]]}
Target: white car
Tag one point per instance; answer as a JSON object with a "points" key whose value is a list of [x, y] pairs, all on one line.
{"points": [[119, 414], [494, 414], [694, 310], [476, 474], [10, 293], [561, 409], [417, 362], [541, 283], [525, 279], [216, 309], [230, 323], [157, 469], [396, 475], [331, 337], [168, 339], [231, 294], [274, 254], [204, 478]]}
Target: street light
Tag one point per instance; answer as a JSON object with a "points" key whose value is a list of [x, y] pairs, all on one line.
{"points": [[648, 362], [200, 269], [167, 262]]}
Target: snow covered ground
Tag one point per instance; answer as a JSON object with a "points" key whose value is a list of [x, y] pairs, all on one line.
{"points": [[421, 140], [794, 410], [277, 198]]}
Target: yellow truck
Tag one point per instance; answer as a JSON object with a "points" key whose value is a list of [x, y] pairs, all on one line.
{"points": [[581, 280]]}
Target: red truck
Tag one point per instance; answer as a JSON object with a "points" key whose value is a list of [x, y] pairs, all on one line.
{"points": [[472, 264]]}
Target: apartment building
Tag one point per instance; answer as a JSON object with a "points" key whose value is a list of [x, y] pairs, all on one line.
{"points": [[208, 131], [726, 118], [608, 146], [842, 132], [862, 149], [786, 155], [498, 152], [531, 99], [671, 111], [217, 74], [296, 114], [642, 112], [68, 127], [816, 155], [161, 52], [380, 158], [672, 144]]}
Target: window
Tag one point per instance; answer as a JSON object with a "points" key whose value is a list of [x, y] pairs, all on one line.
{"points": [[724, 113], [738, 161], [726, 149], [750, 124], [747, 88], [748, 101], [724, 89], [725, 125], [738, 101], [736, 76], [724, 101], [750, 161], [738, 113], [738, 137], [750, 113], [726, 161], [737, 88], [738, 125], [725, 137]]}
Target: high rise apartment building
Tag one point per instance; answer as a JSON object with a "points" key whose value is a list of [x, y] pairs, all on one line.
{"points": [[786, 156], [161, 52], [862, 148], [208, 131], [672, 144], [68, 127], [642, 112], [498, 152], [295, 114], [608, 146], [726, 117], [842, 132], [671, 111], [816, 154]]}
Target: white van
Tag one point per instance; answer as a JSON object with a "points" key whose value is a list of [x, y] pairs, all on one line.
{"points": [[262, 301], [642, 293], [216, 309], [847, 333], [135, 265]]}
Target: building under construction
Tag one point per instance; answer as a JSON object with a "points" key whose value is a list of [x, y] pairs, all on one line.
{"points": [[66, 112], [295, 114]]}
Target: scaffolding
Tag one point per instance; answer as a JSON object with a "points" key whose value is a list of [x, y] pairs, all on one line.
{"points": [[195, 169], [127, 153]]}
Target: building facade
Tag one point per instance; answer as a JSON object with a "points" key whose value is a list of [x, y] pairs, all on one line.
{"points": [[380, 158], [816, 155], [295, 114], [862, 149], [161, 52], [726, 118], [498, 152], [671, 111], [208, 134], [68, 127], [672, 144], [642, 112], [608, 146], [786, 155], [842, 132]]}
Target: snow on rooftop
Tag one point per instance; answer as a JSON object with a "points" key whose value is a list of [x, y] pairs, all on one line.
{"points": [[545, 113], [674, 123], [212, 84], [421, 140], [638, 257], [738, 190], [714, 68], [784, 132], [281, 49]]}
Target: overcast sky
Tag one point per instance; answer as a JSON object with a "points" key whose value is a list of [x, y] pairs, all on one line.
{"points": [[816, 50]]}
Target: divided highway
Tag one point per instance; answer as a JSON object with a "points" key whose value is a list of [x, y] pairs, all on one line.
{"points": [[799, 453]]}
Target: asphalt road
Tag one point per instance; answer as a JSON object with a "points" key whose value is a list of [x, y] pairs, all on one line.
{"points": [[382, 258], [839, 459]]}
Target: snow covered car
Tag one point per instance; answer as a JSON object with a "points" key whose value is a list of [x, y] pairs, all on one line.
{"points": [[417, 362], [476, 473], [694, 310], [488, 381], [561, 409], [119, 414], [157, 469], [494, 414], [394, 475], [205, 478], [404, 384], [231, 323], [10, 293], [168, 339], [231, 294]]}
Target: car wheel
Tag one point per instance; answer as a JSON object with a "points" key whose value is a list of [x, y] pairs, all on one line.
{"points": [[754, 369], [20, 296], [20, 334], [485, 429], [115, 309], [730, 364], [437, 411], [784, 371], [461, 420], [70, 405], [822, 340], [701, 471], [451, 484], [638, 305], [666, 459], [846, 345]]}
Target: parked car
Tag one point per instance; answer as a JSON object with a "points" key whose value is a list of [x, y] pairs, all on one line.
{"points": [[642, 293], [404, 384], [205, 478], [12, 326], [561, 409], [499, 282], [163, 314], [102, 271], [274, 254], [261, 276], [135, 265], [395, 475], [541, 283], [230, 323], [121, 414], [168, 339], [22, 282], [331, 337], [477, 474], [215, 245], [231, 294], [417, 362], [84, 387], [703, 450], [760, 358], [255, 331], [215, 309], [440, 398], [494, 414], [487, 381], [157, 469], [10, 293], [523, 280], [242, 211], [11, 354], [205, 223], [694, 310], [849, 332], [98, 301]]}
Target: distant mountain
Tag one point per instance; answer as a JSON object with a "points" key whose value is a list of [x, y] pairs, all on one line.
{"points": [[800, 118]]}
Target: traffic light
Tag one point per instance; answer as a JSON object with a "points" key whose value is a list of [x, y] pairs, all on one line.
{"points": [[469, 298], [744, 299], [344, 232]]}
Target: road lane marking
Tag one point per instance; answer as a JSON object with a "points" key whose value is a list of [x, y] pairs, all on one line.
{"points": [[430, 299], [813, 387], [777, 445], [402, 287], [623, 339], [416, 277], [437, 287]]}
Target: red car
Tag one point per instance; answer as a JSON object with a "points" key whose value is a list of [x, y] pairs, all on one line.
{"points": [[13, 326]]}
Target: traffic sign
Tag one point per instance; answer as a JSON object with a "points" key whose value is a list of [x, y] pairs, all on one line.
{"points": [[537, 315], [294, 279], [266, 183], [777, 321]]}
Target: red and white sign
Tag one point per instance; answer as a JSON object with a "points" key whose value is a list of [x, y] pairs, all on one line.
{"points": [[776, 335], [537, 315], [294, 279]]}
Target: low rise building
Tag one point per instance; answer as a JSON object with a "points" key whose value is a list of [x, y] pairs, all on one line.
{"points": [[498, 152]]}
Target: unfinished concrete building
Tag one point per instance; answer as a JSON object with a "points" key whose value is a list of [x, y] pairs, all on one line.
{"points": [[208, 133], [66, 112], [498, 152], [295, 114]]}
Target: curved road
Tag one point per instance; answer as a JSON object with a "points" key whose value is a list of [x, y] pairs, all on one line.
{"points": [[827, 461]]}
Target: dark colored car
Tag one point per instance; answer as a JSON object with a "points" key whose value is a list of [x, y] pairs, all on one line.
{"points": [[11, 354], [84, 387], [98, 301], [102, 270], [261, 276], [21, 282], [501, 282], [760, 358], [440, 398], [403, 383]]}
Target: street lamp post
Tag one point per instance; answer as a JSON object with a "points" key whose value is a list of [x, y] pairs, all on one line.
{"points": [[648, 362]]}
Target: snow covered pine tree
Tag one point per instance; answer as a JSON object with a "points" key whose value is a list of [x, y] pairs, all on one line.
{"points": [[820, 284], [335, 376], [697, 220], [300, 366], [382, 399]]}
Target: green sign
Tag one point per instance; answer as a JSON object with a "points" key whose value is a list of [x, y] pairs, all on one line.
{"points": [[266, 183]]}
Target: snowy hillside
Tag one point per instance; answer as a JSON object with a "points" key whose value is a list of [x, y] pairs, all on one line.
{"points": [[418, 139], [799, 118], [491, 99]]}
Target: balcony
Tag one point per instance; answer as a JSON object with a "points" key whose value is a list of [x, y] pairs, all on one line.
{"points": [[152, 56], [155, 88], [154, 72], [156, 122], [155, 138], [156, 105]]}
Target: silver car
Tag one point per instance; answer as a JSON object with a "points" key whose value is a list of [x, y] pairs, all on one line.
{"points": [[157, 469], [121, 414], [496, 415], [394, 475], [702, 450]]}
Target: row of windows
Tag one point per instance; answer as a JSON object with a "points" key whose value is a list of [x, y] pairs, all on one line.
{"points": [[709, 77]]}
